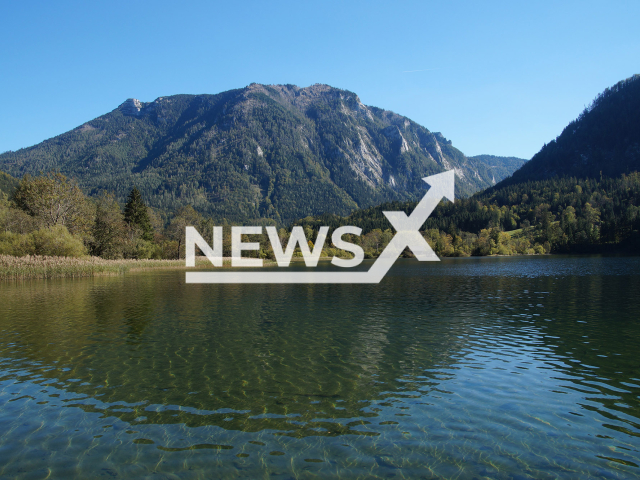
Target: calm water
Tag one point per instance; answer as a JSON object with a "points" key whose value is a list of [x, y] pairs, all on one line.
{"points": [[470, 368]]}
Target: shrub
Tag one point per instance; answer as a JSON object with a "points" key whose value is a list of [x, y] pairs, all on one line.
{"points": [[16, 244], [57, 241]]}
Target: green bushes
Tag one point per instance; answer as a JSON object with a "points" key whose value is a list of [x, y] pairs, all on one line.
{"points": [[57, 241], [51, 241], [16, 244]]}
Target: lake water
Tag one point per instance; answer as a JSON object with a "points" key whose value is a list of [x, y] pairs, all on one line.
{"points": [[521, 367]]}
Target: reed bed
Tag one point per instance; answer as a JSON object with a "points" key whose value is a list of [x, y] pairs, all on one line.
{"points": [[38, 266]]}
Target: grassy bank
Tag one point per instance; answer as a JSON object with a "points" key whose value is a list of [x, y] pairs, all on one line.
{"points": [[37, 266]]}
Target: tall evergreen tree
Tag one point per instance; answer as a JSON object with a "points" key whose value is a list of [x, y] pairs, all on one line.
{"points": [[136, 213]]}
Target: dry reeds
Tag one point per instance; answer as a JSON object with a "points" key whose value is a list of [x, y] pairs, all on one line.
{"points": [[38, 266]]}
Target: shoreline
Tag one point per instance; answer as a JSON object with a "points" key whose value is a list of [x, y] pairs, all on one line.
{"points": [[38, 267], [34, 267]]}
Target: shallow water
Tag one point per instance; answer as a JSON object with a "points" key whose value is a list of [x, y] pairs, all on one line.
{"points": [[514, 367]]}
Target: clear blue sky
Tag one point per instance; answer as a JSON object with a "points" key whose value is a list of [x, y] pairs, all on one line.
{"points": [[494, 77]]}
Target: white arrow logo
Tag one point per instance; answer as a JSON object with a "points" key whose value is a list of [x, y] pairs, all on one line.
{"points": [[407, 235]]}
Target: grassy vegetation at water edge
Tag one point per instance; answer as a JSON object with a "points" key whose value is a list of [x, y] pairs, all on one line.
{"points": [[38, 266]]}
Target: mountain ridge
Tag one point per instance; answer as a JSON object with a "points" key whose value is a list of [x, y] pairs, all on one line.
{"points": [[603, 140], [261, 153]]}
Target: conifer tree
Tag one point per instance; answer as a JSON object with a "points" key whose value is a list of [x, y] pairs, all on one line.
{"points": [[136, 213]]}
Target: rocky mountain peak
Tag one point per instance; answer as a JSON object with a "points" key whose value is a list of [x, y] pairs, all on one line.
{"points": [[441, 138], [131, 106]]}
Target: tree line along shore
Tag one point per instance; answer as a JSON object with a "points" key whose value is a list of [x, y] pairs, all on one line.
{"points": [[50, 228]]}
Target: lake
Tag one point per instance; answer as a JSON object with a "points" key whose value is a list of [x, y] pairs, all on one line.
{"points": [[511, 367]]}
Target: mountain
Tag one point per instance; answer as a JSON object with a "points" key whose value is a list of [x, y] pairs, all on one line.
{"points": [[275, 152], [579, 193], [603, 141], [7, 184], [499, 167]]}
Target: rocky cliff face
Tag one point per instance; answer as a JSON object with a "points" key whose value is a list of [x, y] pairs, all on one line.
{"points": [[275, 152], [131, 106]]}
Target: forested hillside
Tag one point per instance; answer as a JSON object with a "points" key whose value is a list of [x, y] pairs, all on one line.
{"points": [[261, 154], [580, 193], [560, 215], [603, 141], [7, 184]]}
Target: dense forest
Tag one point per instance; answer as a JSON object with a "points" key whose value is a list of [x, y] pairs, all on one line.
{"points": [[603, 140], [556, 215], [50, 215], [7, 183]]}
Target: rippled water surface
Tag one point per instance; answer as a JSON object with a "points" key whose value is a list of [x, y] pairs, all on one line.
{"points": [[469, 368]]}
